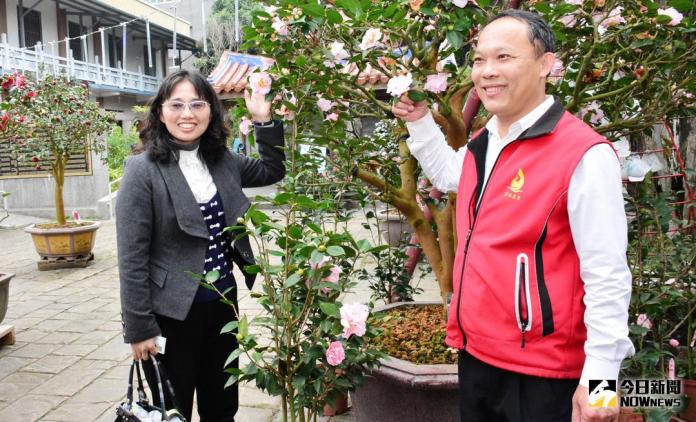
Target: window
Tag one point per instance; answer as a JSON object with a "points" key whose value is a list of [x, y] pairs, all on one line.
{"points": [[32, 27], [74, 30], [151, 71], [115, 50]]}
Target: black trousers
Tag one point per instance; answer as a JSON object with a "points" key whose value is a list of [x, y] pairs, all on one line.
{"points": [[194, 359], [487, 393]]}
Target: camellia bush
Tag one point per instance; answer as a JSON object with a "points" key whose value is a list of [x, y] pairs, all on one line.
{"points": [[319, 344], [48, 120], [623, 66]]}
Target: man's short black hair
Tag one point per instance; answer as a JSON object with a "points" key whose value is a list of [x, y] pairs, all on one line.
{"points": [[540, 33]]}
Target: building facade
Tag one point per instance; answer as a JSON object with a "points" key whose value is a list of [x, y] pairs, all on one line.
{"points": [[103, 43]]}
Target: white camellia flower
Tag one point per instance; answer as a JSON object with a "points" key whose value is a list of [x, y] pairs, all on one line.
{"points": [[399, 84], [371, 39]]}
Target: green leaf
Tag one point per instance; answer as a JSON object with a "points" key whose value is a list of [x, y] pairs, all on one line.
{"points": [[455, 39], [234, 355], [252, 269], [329, 309], [212, 276], [292, 280], [682, 5], [333, 16], [352, 6], [231, 380], [663, 19], [299, 381], [230, 326], [295, 231], [335, 251], [417, 95], [313, 9], [243, 326]]}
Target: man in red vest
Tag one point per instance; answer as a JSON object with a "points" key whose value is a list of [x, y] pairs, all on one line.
{"points": [[541, 283]]}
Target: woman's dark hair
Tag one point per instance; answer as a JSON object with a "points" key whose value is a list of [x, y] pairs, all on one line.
{"points": [[155, 137]]}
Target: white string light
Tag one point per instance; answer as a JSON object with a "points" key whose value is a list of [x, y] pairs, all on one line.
{"points": [[68, 39]]}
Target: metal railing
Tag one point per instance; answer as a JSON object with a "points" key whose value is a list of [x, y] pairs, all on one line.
{"points": [[40, 63]]}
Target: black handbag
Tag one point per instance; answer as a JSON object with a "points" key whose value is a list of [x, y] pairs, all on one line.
{"points": [[126, 412]]}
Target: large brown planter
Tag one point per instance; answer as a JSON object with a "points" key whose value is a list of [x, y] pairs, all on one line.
{"points": [[65, 246], [4, 293], [401, 391], [689, 386]]}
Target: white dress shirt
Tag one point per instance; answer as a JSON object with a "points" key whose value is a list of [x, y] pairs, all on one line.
{"points": [[597, 222]]}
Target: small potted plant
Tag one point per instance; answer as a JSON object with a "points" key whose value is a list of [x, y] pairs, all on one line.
{"points": [[56, 119]]}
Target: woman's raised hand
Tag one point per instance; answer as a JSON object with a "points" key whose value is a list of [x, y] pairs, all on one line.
{"points": [[258, 107]]}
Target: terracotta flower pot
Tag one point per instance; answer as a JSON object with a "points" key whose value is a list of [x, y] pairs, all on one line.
{"points": [[4, 293], [64, 244], [341, 406], [401, 391]]}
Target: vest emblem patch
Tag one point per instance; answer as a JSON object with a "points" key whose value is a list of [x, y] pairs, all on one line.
{"points": [[515, 188]]}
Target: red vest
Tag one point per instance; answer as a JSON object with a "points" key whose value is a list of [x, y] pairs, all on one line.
{"points": [[517, 300]]}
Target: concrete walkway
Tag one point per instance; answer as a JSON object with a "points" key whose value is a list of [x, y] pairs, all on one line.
{"points": [[69, 362]]}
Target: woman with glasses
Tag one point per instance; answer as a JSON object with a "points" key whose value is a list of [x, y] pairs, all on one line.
{"points": [[175, 199]]}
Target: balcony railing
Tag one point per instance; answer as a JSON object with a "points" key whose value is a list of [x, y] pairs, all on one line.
{"points": [[39, 62]]}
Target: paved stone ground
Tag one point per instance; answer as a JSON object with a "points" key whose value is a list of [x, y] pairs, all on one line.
{"points": [[69, 362]]}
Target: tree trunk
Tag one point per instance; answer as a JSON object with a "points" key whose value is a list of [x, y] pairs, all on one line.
{"points": [[59, 164]]}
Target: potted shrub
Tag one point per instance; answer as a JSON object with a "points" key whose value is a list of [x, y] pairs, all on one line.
{"points": [[57, 119], [318, 346], [330, 60]]}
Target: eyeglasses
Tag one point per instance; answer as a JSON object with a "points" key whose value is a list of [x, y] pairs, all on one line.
{"points": [[178, 107]]}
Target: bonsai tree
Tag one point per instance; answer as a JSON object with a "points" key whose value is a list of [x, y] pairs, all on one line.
{"points": [[50, 119], [621, 65]]}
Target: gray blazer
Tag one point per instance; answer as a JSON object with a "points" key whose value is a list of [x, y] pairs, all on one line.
{"points": [[161, 233]]}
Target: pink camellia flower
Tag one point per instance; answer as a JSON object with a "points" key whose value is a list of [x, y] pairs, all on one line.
{"points": [[338, 51], [557, 69], [335, 353], [76, 216], [436, 83], [332, 117], [335, 274], [260, 83], [280, 27], [597, 113], [614, 18], [643, 321], [399, 84], [672, 13], [569, 20], [575, 2], [353, 319], [245, 125], [674, 342], [324, 104], [371, 39], [285, 111], [20, 81], [332, 278], [463, 3]]}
